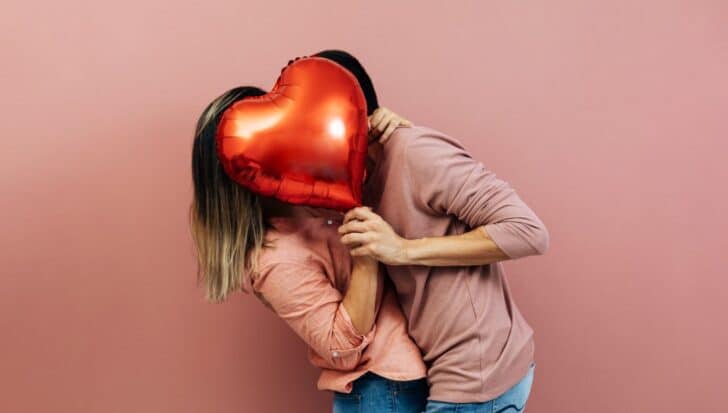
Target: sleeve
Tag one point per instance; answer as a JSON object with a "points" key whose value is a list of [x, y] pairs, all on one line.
{"points": [[446, 179], [307, 301]]}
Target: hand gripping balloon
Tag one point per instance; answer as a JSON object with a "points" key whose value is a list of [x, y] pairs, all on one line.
{"points": [[304, 142]]}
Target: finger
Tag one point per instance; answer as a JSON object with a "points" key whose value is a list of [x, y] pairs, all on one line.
{"points": [[380, 126], [355, 218], [352, 214], [353, 226], [355, 239], [360, 252], [374, 129], [377, 116], [388, 120], [388, 132], [373, 126], [405, 123], [359, 213], [349, 215]]}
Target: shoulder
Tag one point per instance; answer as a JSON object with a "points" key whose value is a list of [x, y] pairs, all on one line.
{"points": [[284, 248], [424, 153], [417, 144], [283, 253]]}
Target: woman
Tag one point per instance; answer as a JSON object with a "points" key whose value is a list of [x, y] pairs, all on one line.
{"points": [[292, 259]]}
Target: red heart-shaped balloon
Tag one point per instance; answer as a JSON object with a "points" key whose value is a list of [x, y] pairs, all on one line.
{"points": [[304, 142]]}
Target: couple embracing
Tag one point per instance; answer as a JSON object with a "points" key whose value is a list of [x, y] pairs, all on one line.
{"points": [[403, 302]]}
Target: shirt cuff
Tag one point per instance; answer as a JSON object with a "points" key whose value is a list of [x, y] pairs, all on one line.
{"points": [[351, 341]]}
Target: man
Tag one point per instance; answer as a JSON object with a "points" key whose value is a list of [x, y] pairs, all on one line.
{"points": [[442, 224]]}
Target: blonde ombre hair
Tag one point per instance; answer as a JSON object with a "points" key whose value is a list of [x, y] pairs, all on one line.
{"points": [[226, 219]]}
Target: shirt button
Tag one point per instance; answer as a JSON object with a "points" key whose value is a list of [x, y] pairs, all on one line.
{"points": [[335, 354], [328, 221]]}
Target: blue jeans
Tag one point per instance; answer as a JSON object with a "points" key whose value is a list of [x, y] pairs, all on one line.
{"points": [[372, 393], [512, 401]]}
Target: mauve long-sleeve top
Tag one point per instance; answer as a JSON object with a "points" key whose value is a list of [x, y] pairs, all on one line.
{"points": [[475, 342], [303, 277]]}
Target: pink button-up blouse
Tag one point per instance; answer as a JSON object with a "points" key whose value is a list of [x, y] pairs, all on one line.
{"points": [[303, 277]]}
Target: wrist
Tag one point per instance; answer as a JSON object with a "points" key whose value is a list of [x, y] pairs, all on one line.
{"points": [[365, 262], [408, 251]]}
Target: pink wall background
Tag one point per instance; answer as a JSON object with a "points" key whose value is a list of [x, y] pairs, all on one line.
{"points": [[610, 120]]}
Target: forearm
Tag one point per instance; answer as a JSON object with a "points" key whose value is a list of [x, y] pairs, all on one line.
{"points": [[365, 288], [471, 248]]}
